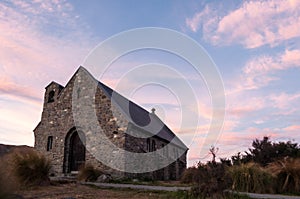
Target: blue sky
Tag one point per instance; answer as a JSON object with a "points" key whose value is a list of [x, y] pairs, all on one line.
{"points": [[255, 45]]}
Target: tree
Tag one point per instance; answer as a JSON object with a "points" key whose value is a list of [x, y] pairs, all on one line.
{"points": [[264, 152], [213, 150]]}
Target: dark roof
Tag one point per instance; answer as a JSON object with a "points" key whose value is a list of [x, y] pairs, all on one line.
{"points": [[134, 113], [150, 122]]}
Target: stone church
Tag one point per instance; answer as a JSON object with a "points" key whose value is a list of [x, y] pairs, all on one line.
{"points": [[65, 143]]}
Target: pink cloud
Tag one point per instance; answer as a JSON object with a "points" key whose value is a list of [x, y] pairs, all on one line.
{"points": [[292, 128], [30, 58], [10, 88], [260, 71], [253, 24], [239, 108], [284, 101], [227, 143], [265, 64], [199, 18]]}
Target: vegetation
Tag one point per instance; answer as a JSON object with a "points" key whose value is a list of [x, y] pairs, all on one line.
{"points": [[22, 167], [89, 174], [287, 172], [251, 177], [31, 168], [6, 184], [265, 152], [266, 167]]}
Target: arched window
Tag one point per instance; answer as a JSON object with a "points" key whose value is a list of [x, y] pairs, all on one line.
{"points": [[51, 96], [49, 143]]}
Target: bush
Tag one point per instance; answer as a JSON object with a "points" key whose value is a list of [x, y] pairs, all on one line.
{"points": [[251, 177], [287, 172], [31, 168], [89, 174], [209, 179], [190, 175], [7, 186]]}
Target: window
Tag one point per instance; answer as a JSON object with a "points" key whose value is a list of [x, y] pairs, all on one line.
{"points": [[49, 143], [51, 96], [153, 145], [148, 144], [78, 93]]}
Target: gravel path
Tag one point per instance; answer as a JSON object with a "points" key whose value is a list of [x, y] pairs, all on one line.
{"points": [[133, 186]]}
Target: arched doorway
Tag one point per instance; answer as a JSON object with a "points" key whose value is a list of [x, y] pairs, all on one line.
{"points": [[74, 157]]}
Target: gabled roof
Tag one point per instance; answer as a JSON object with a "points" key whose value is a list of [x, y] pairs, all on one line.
{"points": [[134, 113], [53, 82], [149, 122], [140, 117]]}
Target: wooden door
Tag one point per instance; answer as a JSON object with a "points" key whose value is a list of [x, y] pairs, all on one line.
{"points": [[77, 152]]}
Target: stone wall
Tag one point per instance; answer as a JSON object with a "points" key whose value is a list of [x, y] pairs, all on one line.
{"points": [[58, 119]]}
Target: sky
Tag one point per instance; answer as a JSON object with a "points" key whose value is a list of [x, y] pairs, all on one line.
{"points": [[254, 44]]}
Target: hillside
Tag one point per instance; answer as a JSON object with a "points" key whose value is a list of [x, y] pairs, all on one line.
{"points": [[4, 149]]}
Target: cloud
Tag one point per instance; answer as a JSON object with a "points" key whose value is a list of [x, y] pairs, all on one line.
{"points": [[293, 128], [284, 101], [7, 86], [252, 24], [238, 107], [30, 57], [266, 64], [260, 71], [202, 19], [37, 45]]}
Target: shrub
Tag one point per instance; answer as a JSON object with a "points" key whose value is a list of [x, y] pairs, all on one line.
{"points": [[6, 181], [89, 174], [209, 179], [251, 177], [31, 168], [190, 175], [287, 172]]}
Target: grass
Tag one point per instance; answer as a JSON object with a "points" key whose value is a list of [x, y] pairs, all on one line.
{"points": [[89, 174], [251, 177], [31, 168], [6, 184], [92, 192], [287, 172]]}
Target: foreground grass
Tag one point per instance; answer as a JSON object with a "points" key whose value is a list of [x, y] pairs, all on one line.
{"points": [[73, 190], [78, 191]]}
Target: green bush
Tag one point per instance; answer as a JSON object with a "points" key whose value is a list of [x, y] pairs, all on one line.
{"points": [[89, 174], [251, 177], [31, 168]]}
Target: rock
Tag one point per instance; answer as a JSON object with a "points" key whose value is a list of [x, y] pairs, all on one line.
{"points": [[104, 178]]}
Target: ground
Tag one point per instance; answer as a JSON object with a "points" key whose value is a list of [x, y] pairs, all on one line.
{"points": [[77, 191]]}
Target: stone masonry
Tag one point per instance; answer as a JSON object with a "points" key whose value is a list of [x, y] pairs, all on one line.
{"points": [[64, 142]]}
